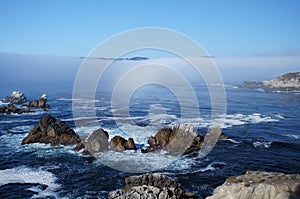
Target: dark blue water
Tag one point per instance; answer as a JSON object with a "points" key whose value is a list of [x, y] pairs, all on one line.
{"points": [[263, 130]]}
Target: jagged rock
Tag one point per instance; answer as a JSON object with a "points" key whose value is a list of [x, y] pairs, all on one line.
{"points": [[13, 109], [177, 139], [286, 82], [41, 103], [119, 143], [16, 98], [259, 184], [97, 142], [51, 131], [150, 186]]}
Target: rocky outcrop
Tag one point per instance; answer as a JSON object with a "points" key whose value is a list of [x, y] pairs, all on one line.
{"points": [[16, 98], [13, 109], [176, 140], [97, 142], [286, 82], [151, 186], [120, 144], [41, 103], [259, 184], [51, 131]]}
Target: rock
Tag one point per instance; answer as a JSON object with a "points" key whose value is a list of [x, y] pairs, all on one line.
{"points": [[120, 144], [16, 98], [259, 184], [41, 103], [97, 142], [150, 186], [51, 131], [177, 139], [286, 82], [13, 109]]}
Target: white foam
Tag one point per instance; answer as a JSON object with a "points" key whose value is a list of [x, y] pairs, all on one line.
{"points": [[29, 175], [293, 136], [262, 144], [233, 141]]}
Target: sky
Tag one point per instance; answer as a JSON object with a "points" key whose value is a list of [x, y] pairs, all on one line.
{"points": [[223, 28], [42, 40]]}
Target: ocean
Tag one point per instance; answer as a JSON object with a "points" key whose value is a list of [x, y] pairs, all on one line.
{"points": [[262, 128]]}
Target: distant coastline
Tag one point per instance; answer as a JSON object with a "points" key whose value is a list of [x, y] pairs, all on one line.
{"points": [[285, 82]]}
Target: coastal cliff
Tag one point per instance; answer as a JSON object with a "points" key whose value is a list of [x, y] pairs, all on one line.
{"points": [[286, 82]]}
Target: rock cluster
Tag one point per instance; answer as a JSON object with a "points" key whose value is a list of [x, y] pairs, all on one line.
{"points": [[51, 131], [259, 184], [16, 98], [151, 186], [120, 144], [13, 109], [41, 103], [177, 139]]}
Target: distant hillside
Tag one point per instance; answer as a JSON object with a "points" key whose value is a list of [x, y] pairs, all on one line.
{"points": [[286, 82]]}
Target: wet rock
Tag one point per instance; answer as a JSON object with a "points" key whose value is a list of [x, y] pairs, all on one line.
{"points": [[120, 144], [13, 109], [150, 186], [51, 131], [259, 184], [41, 103], [16, 98], [177, 139], [97, 142]]}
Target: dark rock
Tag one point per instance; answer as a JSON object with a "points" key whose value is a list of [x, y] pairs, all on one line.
{"points": [[13, 109], [41, 103], [177, 139], [15, 98], [120, 144], [150, 186], [52, 131], [97, 142]]}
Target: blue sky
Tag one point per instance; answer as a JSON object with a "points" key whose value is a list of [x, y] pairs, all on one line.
{"points": [[223, 28]]}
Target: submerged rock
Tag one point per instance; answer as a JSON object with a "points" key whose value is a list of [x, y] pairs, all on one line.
{"points": [[119, 143], [259, 184], [150, 186], [41, 103], [16, 98], [51, 131], [177, 139]]}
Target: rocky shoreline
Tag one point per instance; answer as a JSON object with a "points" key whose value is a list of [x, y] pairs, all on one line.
{"points": [[252, 185], [17, 103], [286, 82]]}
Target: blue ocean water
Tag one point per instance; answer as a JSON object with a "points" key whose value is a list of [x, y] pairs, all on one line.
{"points": [[263, 129]]}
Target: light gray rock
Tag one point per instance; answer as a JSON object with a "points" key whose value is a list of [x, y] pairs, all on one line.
{"points": [[259, 185], [150, 186]]}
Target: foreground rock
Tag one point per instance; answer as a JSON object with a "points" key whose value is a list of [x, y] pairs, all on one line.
{"points": [[286, 82], [177, 139], [97, 142], [13, 109], [16, 98], [150, 186], [259, 184], [51, 131], [120, 144], [41, 103]]}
